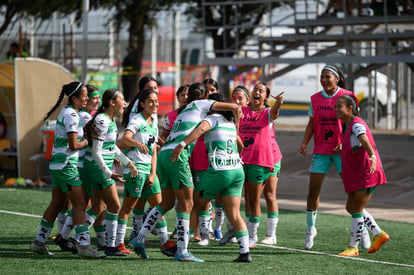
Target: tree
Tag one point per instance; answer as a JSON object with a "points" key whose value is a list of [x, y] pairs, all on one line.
{"points": [[230, 24]]}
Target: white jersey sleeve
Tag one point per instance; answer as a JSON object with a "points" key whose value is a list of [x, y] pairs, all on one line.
{"points": [[101, 126], [71, 119]]}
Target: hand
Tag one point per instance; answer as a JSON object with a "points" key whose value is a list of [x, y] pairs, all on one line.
{"points": [[302, 149], [117, 163], [373, 165], [279, 98], [142, 148], [175, 155], [117, 177], [149, 181], [338, 148], [132, 169]]}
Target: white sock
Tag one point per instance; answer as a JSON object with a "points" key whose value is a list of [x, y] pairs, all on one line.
{"points": [[253, 226], [204, 226], [120, 232], [137, 222], [45, 228], [243, 244], [163, 234], [183, 233], [229, 225], [83, 232], [61, 220], [271, 226], [111, 224], [149, 224], [371, 224], [220, 216], [356, 229], [67, 227]]}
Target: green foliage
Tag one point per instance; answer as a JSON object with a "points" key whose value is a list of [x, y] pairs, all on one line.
{"points": [[288, 257]]}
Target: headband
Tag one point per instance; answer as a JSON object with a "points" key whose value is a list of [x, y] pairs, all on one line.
{"points": [[93, 94], [115, 95], [329, 68], [243, 90], [80, 84]]}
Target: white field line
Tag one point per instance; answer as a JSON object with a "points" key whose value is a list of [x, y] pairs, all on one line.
{"points": [[264, 245], [334, 255]]}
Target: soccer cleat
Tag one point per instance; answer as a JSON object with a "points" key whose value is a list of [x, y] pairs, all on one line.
{"points": [[114, 251], [40, 248], [227, 237], [133, 235], [365, 240], [101, 247], [86, 251], [217, 234], [65, 245], [204, 242], [350, 252], [139, 248], [187, 258], [310, 235], [243, 258], [269, 240], [378, 241], [121, 247], [252, 242], [169, 248], [233, 240]]}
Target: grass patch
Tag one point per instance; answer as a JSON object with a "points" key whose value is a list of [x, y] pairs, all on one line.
{"points": [[288, 257]]}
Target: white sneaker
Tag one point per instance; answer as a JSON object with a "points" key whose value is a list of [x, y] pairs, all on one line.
{"points": [[204, 242], [365, 240], [86, 251], [310, 235], [269, 240]]}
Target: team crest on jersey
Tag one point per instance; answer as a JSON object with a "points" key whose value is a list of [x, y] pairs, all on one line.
{"points": [[101, 121], [73, 114]]}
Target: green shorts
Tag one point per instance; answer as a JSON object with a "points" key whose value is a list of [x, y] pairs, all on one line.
{"points": [[321, 163], [96, 177], [369, 190], [85, 183], [226, 183], [197, 178], [256, 173], [174, 174], [66, 178], [276, 169], [134, 187]]}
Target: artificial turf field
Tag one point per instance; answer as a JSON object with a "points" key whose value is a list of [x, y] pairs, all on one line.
{"points": [[21, 209]]}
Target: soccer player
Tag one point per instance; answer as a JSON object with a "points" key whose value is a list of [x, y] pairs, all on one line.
{"points": [[66, 183], [102, 131], [362, 172]]}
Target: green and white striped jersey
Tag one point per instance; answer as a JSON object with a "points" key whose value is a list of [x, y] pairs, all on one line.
{"points": [[146, 134], [85, 117], [221, 143], [68, 121], [107, 132], [186, 121]]}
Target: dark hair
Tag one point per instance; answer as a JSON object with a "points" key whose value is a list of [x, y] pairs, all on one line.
{"points": [[338, 73], [142, 97], [15, 45], [211, 82], [90, 129], [70, 89], [141, 84], [220, 98], [90, 88], [196, 91], [351, 100], [181, 89]]}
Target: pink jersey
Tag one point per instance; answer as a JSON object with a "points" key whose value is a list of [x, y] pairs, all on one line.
{"points": [[256, 134], [199, 157], [356, 166], [170, 119], [277, 155], [326, 127]]}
